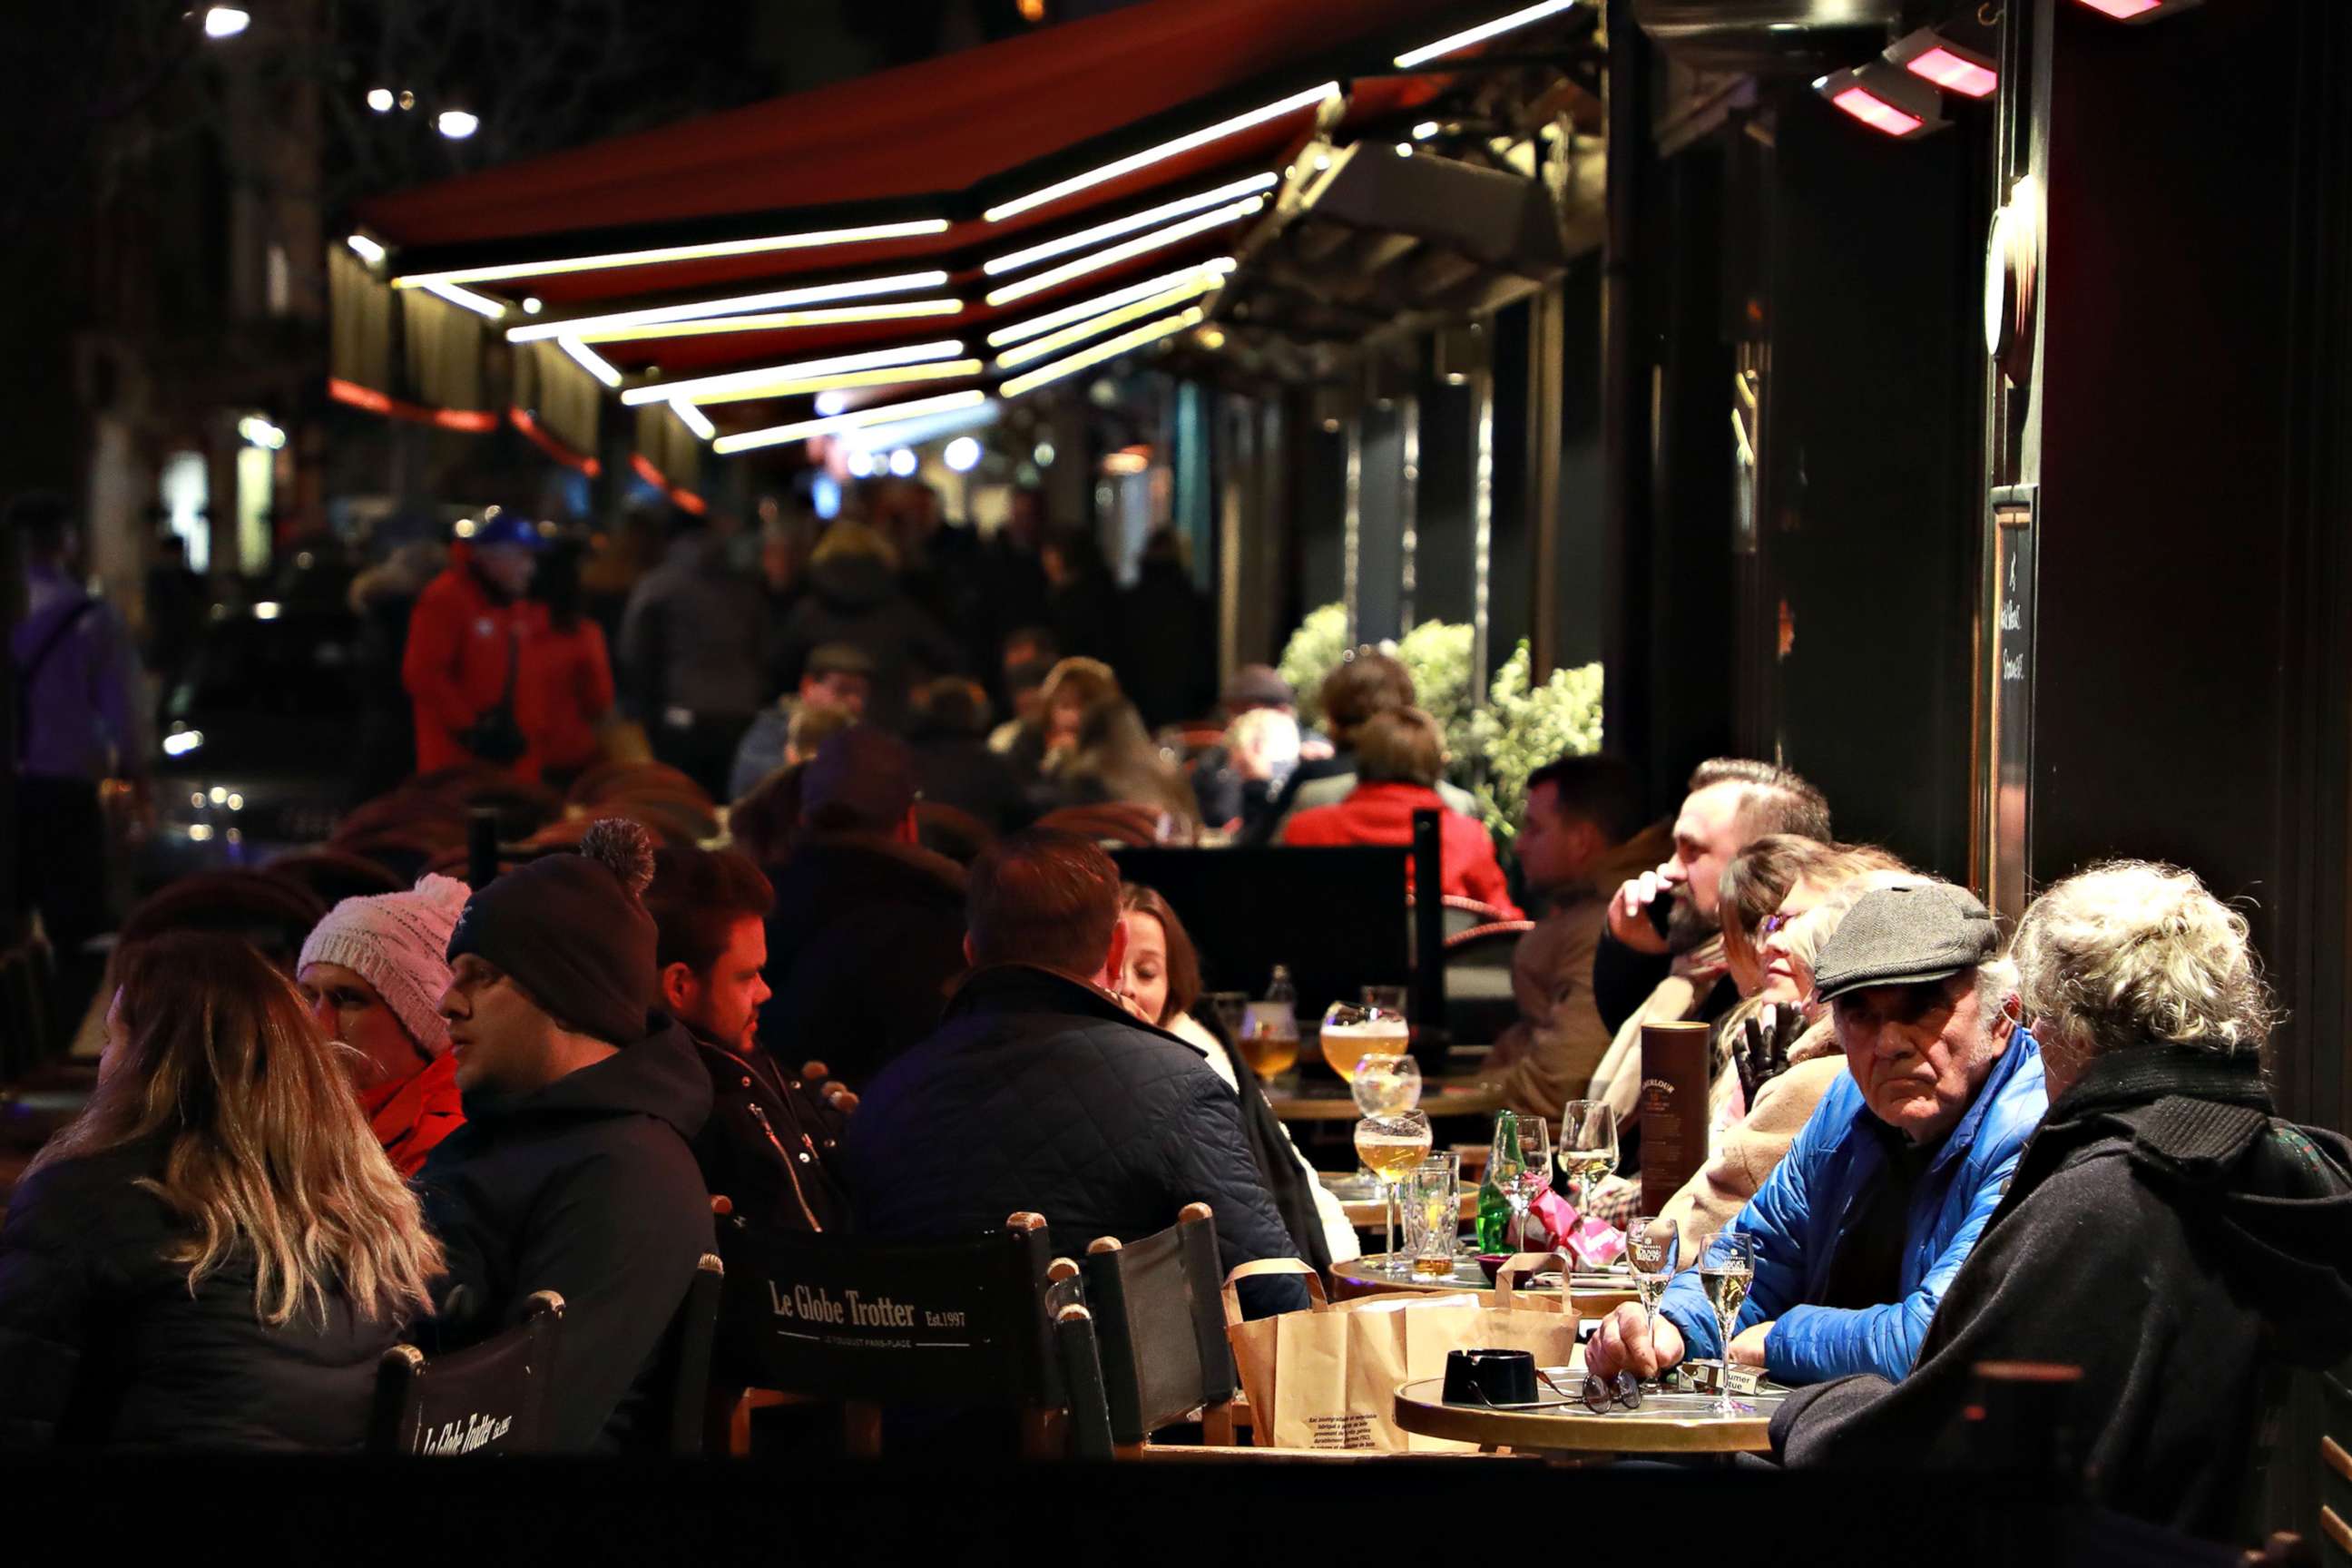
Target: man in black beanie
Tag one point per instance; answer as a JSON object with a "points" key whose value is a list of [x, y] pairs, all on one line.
{"points": [[573, 1171]]}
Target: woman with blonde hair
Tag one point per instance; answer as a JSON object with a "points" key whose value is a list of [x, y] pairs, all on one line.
{"points": [[217, 1251], [2165, 1235]]}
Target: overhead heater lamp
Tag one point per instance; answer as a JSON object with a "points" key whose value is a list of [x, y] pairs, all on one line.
{"points": [[1889, 100], [1930, 57], [2138, 11]]}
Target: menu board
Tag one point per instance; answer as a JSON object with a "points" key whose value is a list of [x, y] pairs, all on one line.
{"points": [[1672, 1109]]}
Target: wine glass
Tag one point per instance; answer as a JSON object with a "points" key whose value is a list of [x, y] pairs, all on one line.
{"points": [[1385, 1085], [1651, 1245], [1521, 1164], [1726, 1270], [1390, 1147], [1350, 1035], [1588, 1143]]}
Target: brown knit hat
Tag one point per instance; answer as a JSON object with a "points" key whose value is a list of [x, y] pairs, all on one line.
{"points": [[573, 931]]}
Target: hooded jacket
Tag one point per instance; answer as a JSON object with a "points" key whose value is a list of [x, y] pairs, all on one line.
{"points": [[464, 640], [102, 1343], [1813, 1195], [2167, 1235], [865, 940], [586, 1187], [856, 599], [1042, 1093]]}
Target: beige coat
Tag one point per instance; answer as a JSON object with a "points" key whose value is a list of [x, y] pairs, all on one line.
{"points": [[1745, 1152], [1549, 1056]]}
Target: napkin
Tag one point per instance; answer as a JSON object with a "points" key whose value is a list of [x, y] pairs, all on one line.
{"points": [[1591, 1244]]}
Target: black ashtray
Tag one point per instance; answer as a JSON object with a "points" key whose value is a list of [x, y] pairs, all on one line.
{"points": [[1490, 1377]]}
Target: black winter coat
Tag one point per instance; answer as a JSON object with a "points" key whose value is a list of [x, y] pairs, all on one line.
{"points": [[864, 942], [962, 772], [587, 1188], [2168, 1236], [1167, 657], [101, 1342], [771, 1146], [1041, 1093]]}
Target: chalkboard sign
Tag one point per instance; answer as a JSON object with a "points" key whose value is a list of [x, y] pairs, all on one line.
{"points": [[2008, 708]]}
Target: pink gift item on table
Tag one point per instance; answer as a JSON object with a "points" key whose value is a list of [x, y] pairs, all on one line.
{"points": [[1592, 1244]]}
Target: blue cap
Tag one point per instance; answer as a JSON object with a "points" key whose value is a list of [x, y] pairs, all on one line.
{"points": [[509, 527]]}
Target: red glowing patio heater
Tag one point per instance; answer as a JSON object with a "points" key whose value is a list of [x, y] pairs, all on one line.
{"points": [[1889, 100], [2138, 11]]}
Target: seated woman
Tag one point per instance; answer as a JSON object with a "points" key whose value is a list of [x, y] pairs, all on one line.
{"points": [[1115, 761], [1160, 983], [2165, 1233], [217, 1252], [372, 973], [1400, 757]]}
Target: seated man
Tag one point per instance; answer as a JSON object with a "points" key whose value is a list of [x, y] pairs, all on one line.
{"points": [[1643, 974], [1860, 1229], [1042, 1092], [1582, 835], [1400, 756], [866, 935], [572, 1172], [837, 679], [2165, 1233], [772, 1140]]}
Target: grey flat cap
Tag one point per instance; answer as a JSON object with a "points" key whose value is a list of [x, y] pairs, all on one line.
{"points": [[1899, 936]]}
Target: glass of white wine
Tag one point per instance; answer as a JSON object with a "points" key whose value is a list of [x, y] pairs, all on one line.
{"points": [[1650, 1246], [1726, 1270], [1588, 1143], [1521, 1164], [1390, 1147]]}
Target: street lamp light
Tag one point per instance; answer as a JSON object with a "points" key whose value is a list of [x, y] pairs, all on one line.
{"points": [[225, 21], [457, 123]]}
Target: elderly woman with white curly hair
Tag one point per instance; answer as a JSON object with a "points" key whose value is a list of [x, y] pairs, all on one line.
{"points": [[2165, 1232]]}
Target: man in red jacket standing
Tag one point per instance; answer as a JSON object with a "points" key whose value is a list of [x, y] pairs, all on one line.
{"points": [[470, 640], [1400, 755]]}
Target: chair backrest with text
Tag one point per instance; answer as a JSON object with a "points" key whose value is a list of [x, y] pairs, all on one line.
{"points": [[489, 1398], [682, 1367], [1160, 1326]]}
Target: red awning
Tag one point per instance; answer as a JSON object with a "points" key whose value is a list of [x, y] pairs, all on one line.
{"points": [[945, 144]]}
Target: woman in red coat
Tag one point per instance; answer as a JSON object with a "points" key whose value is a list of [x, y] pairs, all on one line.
{"points": [[1399, 756]]}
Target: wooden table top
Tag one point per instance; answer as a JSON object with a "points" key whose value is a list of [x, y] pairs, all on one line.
{"points": [[1595, 1295], [1667, 1422], [1326, 1100]]}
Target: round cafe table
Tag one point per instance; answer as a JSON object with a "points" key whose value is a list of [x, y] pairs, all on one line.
{"points": [[1667, 1422], [1361, 1201], [1595, 1295], [1326, 1100]]}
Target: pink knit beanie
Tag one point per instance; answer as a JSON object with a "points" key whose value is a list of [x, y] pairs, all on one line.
{"points": [[395, 942]]}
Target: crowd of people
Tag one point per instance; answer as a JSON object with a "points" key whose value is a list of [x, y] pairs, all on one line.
{"points": [[898, 990]]}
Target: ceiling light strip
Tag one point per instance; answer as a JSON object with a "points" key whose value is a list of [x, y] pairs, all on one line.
{"points": [[702, 309], [1141, 244], [1016, 333], [702, 389], [366, 249], [883, 413], [589, 360], [946, 370], [1054, 343], [1129, 225], [480, 304], [1480, 34], [693, 418], [1150, 332], [773, 320], [811, 240], [1165, 150]]}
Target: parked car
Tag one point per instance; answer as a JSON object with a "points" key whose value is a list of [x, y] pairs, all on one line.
{"points": [[258, 740]]}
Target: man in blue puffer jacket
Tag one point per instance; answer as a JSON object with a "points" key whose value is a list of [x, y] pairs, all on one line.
{"points": [[1875, 1206]]}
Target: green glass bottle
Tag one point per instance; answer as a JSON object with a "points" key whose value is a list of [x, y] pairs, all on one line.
{"points": [[1494, 1208]]}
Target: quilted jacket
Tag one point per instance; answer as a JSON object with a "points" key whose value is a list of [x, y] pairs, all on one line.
{"points": [[1803, 1207], [1041, 1093]]}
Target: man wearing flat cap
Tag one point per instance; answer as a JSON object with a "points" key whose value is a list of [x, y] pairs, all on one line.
{"points": [[1862, 1226]]}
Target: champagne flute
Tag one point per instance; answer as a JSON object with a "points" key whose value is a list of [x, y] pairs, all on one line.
{"points": [[1651, 1243], [1390, 1147], [1588, 1143], [1521, 1164], [1383, 1086], [1726, 1270]]}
